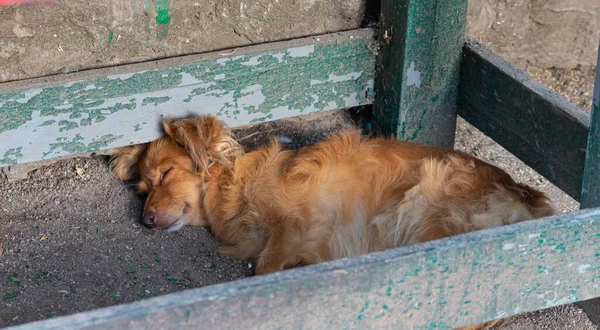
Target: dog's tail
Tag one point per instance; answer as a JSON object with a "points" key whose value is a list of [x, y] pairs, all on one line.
{"points": [[539, 204]]}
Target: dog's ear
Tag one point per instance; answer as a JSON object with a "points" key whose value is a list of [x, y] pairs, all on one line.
{"points": [[206, 139], [124, 162]]}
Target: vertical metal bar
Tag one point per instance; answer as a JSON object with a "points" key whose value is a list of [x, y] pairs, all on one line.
{"points": [[417, 74], [590, 192]]}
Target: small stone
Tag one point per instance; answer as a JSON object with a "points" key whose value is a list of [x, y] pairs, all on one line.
{"points": [[22, 32]]}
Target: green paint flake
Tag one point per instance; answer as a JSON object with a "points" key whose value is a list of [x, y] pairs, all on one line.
{"points": [[77, 146], [414, 272], [48, 122], [560, 247], [261, 119], [362, 311], [11, 156], [111, 36], [66, 125], [155, 100], [162, 12]]}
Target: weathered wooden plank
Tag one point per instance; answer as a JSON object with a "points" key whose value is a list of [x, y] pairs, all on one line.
{"points": [[590, 192], [416, 83], [100, 109], [437, 285], [537, 125]]}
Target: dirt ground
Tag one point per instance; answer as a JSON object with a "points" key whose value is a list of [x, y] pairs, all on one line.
{"points": [[538, 33]]}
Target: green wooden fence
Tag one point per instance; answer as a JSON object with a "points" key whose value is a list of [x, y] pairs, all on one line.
{"points": [[418, 73]]}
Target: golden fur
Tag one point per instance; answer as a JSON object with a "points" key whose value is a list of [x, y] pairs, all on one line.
{"points": [[342, 197]]}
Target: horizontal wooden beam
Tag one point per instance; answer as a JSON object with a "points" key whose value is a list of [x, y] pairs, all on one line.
{"points": [[106, 108], [538, 126], [442, 284]]}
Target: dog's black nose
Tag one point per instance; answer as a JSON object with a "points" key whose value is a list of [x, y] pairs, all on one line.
{"points": [[148, 218]]}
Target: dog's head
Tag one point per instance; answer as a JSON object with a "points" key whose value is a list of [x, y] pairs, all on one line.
{"points": [[172, 170]]}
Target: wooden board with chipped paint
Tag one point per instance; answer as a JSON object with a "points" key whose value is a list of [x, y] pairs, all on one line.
{"points": [[106, 108], [540, 127], [443, 284]]}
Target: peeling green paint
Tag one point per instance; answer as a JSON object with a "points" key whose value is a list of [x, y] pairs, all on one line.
{"points": [[162, 12], [248, 87], [418, 72], [12, 155], [48, 122], [155, 100], [362, 311], [77, 145], [66, 125]]}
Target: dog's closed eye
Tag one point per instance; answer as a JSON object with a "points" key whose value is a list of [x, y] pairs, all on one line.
{"points": [[164, 173]]}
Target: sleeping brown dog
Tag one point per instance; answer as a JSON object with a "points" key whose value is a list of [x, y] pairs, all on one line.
{"points": [[342, 197]]}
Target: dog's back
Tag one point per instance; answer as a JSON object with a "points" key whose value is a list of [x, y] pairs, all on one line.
{"points": [[350, 195]]}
